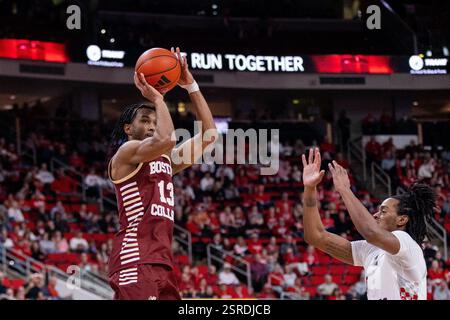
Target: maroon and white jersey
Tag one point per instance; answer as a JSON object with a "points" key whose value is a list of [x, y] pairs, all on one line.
{"points": [[145, 204]]}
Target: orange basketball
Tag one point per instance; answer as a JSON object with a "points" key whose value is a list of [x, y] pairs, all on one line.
{"points": [[160, 67]]}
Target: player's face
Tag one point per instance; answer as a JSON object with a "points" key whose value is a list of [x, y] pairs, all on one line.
{"points": [[144, 124], [387, 217]]}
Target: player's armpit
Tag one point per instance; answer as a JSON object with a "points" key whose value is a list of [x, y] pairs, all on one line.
{"points": [[336, 246]]}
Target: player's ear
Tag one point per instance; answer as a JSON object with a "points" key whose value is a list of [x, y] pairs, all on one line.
{"points": [[402, 220], [127, 128]]}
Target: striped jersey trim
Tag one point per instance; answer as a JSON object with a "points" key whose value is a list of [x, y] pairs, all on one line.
{"points": [[132, 202]]}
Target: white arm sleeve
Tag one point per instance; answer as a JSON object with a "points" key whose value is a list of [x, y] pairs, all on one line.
{"points": [[360, 250]]}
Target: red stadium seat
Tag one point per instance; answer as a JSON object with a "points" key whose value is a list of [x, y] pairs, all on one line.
{"points": [[311, 290], [354, 270], [319, 270], [338, 269], [351, 279], [317, 280]]}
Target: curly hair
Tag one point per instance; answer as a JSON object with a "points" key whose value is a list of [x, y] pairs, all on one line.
{"points": [[118, 136], [419, 204]]}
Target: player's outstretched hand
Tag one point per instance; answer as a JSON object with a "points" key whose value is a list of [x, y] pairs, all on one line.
{"points": [[312, 175], [340, 177], [186, 76], [150, 93]]}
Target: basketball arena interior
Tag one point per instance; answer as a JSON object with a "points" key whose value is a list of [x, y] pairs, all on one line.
{"points": [[369, 87]]}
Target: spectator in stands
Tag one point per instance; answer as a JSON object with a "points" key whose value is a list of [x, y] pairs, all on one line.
{"points": [[441, 291], [337, 295], [369, 123], [266, 293], [289, 277], [358, 291], [211, 276], [60, 243], [272, 247], [63, 184], [311, 257], [85, 265], [202, 286], [240, 248], [76, 161], [388, 162], [426, 169], [259, 272], [14, 213], [78, 243], [8, 295], [5, 240], [327, 288], [58, 208], [20, 294], [368, 203], [46, 245], [373, 150], [255, 245], [276, 279], [207, 183], [436, 271], [255, 219], [36, 252], [226, 276], [342, 223], [45, 176], [93, 182], [35, 286], [429, 253]]}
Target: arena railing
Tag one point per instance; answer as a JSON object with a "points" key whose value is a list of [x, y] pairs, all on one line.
{"points": [[378, 175], [55, 163], [23, 266], [219, 255], [184, 237], [439, 232], [355, 152]]}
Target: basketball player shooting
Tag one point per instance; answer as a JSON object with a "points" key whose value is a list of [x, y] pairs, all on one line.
{"points": [[391, 255], [141, 262]]}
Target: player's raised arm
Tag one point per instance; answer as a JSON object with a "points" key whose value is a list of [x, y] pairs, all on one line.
{"points": [[137, 151], [315, 233], [196, 145], [361, 217]]}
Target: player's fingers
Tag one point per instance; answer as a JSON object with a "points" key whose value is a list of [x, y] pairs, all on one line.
{"points": [[137, 82], [337, 166], [332, 170], [318, 158], [185, 61], [171, 50], [143, 81], [310, 157], [321, 174], [304, 161]]}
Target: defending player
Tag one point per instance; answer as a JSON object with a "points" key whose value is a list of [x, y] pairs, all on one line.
{"points": [[390, 254]]}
